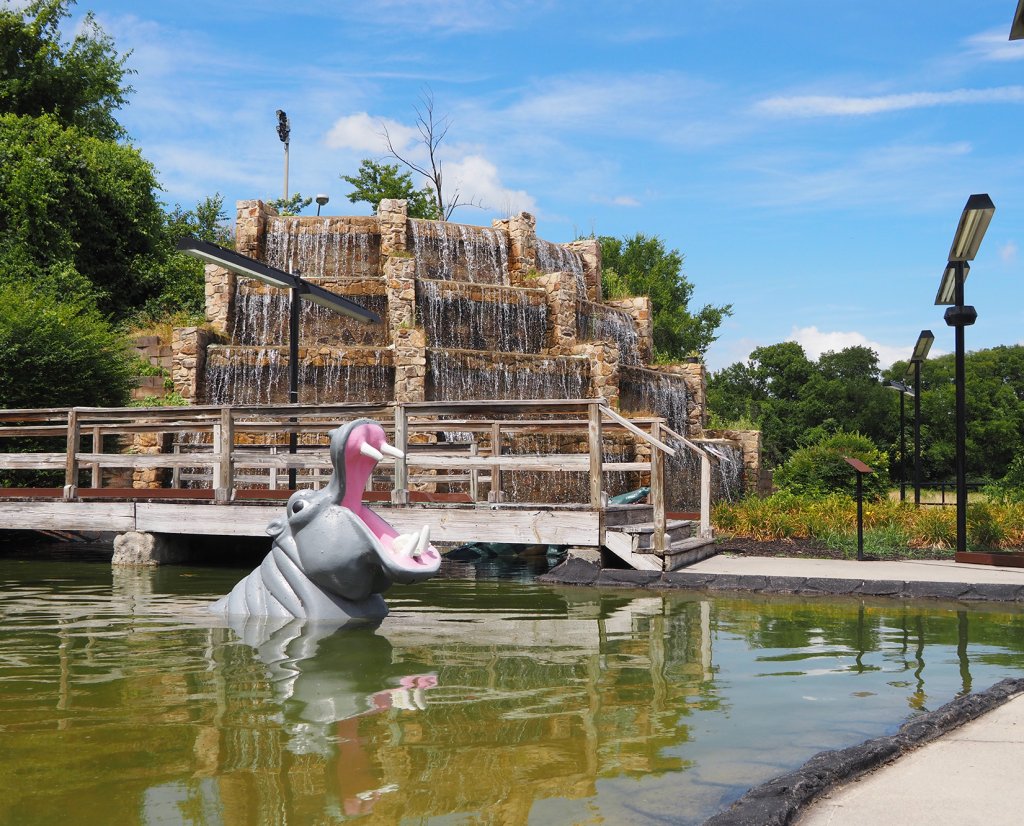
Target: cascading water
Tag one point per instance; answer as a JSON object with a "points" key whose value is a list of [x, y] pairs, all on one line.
{"points": [[261, 319], [662, 394], [458, 252], [595, 322], [682, 474], [553, 257], [505, 320], [451, 378], [237, 375], [314, 250]]}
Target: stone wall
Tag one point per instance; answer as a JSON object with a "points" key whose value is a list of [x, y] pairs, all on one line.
{"points": [[750, 443]]}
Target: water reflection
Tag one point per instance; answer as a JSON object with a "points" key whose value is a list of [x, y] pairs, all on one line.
{"points": [[480, 701]]}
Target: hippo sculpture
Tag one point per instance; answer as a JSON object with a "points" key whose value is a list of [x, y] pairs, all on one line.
{"points": [[332, 557]]}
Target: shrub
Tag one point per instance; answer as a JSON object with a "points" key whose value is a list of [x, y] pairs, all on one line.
{"points": [[1011, 487], [59, 353], [820, 469], [983, 527]]}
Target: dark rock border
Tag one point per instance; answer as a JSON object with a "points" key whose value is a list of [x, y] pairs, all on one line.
{"points": [[576, 571], [778, 802]]}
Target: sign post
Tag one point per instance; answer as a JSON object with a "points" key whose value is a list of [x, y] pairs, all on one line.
{"points": [[861, 469]]}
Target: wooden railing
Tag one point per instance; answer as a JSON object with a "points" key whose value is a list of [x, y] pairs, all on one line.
{"points": [[227, 454]]}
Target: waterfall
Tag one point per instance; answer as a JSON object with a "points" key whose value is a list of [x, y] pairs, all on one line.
{"points": [[501, 319], [556, 258], [329, 248], [596, 322], [449, 377], [251, 375], [458, 252], [662, 394]]}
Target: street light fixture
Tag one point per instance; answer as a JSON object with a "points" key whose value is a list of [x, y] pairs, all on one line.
{"points": [[1017, 27], [970, 231], [299, 288], [921, 349], [904, 391], [321, 199], [284, 131]]}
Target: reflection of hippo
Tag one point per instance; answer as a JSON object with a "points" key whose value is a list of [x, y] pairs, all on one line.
{"points": [[332, 556]]}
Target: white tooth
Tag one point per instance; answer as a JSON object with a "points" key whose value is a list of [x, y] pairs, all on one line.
{"points": [[392, 451], [371, 451], [424, 541], [404, 544]]}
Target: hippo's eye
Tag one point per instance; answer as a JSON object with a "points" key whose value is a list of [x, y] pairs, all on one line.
{"points": [[298, 506]]}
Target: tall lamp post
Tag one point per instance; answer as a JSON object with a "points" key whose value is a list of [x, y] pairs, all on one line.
{"points": [[921, 348], [284, 131], [904, 391], [299, 288], [974, 221]]}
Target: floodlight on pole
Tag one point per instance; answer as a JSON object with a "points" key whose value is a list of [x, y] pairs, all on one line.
{"points": [[946, 294], [321, 199], [299, 287], [1017, 27], [970, 230], [284, 131], [922, 347]]}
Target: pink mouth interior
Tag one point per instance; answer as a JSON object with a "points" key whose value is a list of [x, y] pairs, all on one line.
{"points": [[357, 470]]}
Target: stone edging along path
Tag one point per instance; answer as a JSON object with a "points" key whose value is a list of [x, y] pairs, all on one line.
{"points": [[576, 571], [778, 802]]}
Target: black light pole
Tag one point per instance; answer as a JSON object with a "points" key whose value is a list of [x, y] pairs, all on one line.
{"points": [[904, 391], [974, 221], [921, 349], [299, 289]]}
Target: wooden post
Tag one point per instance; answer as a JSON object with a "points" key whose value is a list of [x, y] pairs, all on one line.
{"points": [[400, 494], [97, 447], [705, 496], [474, 474], [595, 439], [224, 468], [496, 495], [71, 466], [273, 469], [658, 489]]}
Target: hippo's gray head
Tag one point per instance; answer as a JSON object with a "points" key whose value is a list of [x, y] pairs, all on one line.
{"points": [[342, 546]]}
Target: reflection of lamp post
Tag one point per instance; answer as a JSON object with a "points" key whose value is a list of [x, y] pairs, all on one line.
{"points": [[321, 199], [284, 131], [970, 230], [921, 348], [299, 287], [903, 390]]}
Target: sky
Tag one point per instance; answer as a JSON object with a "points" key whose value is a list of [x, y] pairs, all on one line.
{"points": [[809, 158]]}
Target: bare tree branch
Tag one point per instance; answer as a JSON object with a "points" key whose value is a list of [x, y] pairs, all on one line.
{"points": [[432, 133]]}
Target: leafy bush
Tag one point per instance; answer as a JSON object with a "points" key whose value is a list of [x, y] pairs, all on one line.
{"points": [[59, 353], [983, 527], [820, 469], [1011, 487]]}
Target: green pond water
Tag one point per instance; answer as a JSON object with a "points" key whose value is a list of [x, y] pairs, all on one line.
{"points": [[477, 701]]}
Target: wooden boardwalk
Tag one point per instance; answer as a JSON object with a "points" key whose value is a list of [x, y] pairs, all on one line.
{"points": [[224, 471]]}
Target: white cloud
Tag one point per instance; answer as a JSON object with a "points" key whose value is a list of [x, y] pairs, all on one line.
{"points": [[815, 342], [362, 132], [1008, 252], [476, 180], [994, 45], [810, 106]]}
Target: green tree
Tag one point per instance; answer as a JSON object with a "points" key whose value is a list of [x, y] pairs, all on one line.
{"points": [[180, 277], [79, 83], [58, 352], [292, 205], [77, 212], [821, 468], [376, 181], [642, 266]]}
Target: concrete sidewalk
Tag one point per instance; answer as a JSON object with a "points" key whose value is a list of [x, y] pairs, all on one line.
{"points": [[968, 776], [915, 570]]}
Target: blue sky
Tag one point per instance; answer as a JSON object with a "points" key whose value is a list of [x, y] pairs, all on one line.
{"points": [[809, 158]]}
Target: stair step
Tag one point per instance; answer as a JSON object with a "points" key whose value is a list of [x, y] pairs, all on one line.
{"points": [[689, 552], [676, 530], [616, 516]]}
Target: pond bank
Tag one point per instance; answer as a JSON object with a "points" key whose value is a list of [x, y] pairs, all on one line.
{"points": [[905, 579]]}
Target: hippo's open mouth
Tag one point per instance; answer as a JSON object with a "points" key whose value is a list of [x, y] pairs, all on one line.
{"points": [[406, 557]]}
